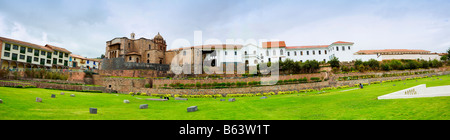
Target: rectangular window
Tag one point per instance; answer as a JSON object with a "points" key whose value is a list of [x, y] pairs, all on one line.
{"points": [[343, 48], [36, 52], [29, 58], [337, 48], [320, 52], [348, 47], [6, 54], [55, 53], [314, 52], [235, 52], [307, 52], [42, 53], [55, 61], [60, 61], [325, 51], [15, 47], [301, 52], [22, 57], [66, 55], [66, 62], [14, 57], [42, 61], [94, 62], [22, 50], [225, 52], [49, 61], [87, 62], [49, 55], [60, 55], [35, 59], [30, 50], [7, 47]]}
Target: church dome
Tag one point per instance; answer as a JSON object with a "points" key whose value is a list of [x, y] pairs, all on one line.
{"points": [[158, 36]]}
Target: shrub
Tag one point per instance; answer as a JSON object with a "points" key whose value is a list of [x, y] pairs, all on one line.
{"points": [[144, 94], [148, 85], [131, 93]]}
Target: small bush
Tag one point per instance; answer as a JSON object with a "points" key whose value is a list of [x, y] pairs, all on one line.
{"points": [[131, 93]]}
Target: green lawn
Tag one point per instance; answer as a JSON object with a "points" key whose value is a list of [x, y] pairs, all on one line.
{"points": [[342, 104]]}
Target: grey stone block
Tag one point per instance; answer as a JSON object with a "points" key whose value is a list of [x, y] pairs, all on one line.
{"points": [[126, 101], [264, 97], [53, 96], [185, 99], [143, 106], [192, 109], [93, 110], [1, 101], [222, 99], [72, 95], [232, 99], [62, 93], [38, 99]]}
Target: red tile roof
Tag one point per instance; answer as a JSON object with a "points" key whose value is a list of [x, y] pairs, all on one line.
{"points": [[391, 50], [274, 44], [57, 48], [13, 41], [307, 47], [342, 42]]}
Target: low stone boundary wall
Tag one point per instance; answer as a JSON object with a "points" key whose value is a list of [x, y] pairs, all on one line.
{"points": [[276, 88], [55, 86]]}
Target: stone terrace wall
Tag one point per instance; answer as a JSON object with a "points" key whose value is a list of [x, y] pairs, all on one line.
{"points": [[120, 84], [133, 73], [121, 64], [55, 86], [161, 82], [276, 88]]}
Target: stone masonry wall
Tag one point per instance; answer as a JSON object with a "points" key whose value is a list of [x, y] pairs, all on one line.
{"points": [[161, 82]]}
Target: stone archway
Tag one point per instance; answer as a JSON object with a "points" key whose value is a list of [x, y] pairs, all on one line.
{"points": [[13, 65], [5, 64], [20, 66]]}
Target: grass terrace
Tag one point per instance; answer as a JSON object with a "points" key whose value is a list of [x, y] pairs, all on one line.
{"points": [[333, 103]]}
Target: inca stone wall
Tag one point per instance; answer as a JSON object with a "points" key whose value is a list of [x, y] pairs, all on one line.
{"points": [[120, 64]]}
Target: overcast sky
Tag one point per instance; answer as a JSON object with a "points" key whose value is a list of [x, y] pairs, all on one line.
{"points": [[84, 26]]}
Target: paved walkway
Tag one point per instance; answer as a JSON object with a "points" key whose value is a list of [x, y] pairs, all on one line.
{"points": [[419, 92]]}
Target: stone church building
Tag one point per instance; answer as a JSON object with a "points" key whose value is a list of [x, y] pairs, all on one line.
{"points": [[140, 50]]}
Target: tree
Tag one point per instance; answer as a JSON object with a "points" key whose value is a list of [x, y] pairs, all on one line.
{"points": [[385, 67], [334, 62], [358, 62], [444, 57], [374, 64], [395, 64]]}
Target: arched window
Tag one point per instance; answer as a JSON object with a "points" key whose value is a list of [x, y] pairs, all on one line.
{"points": [[137, 60], [267, 52], [129, 58], [148, 61], [254, 52], [281, 52], [245, 52], [149, 47], [148, 55], [274, 52]]}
